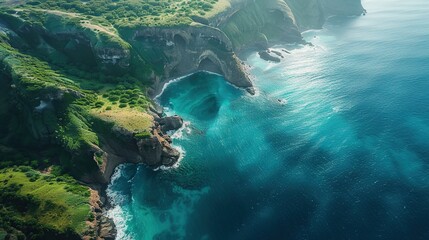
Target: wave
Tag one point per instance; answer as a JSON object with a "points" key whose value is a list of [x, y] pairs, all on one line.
{"points": [[171, 82], [179, 134], [177, 164], [118, 200], [120, 218]]}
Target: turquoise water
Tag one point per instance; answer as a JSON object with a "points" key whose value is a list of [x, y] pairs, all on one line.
{"points": [[346, 156]]}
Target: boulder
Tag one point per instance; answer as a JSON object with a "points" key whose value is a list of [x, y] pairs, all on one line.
{"points": [[265, 55], [170, 123], [156, 151], [107, 230]]}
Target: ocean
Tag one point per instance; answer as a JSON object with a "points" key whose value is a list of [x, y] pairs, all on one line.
{"points": [[334, 145]]}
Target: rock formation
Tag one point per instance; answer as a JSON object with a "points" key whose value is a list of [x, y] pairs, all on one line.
{"points": [[184, 50]]}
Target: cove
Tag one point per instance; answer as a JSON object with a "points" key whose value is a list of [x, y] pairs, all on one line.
{"points": [[347, 156]]}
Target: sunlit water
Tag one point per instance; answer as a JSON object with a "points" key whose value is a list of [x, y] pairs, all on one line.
{"points": [[345, 155]]}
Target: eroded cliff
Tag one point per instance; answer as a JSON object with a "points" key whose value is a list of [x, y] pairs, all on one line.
{"points": [[179, 51]]}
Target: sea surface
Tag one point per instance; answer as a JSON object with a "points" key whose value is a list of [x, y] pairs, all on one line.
{"points": [[335, 145]]}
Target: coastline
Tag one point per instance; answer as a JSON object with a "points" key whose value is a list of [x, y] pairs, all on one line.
{"points": [[158, 91], [188, 53], [108, 206]]}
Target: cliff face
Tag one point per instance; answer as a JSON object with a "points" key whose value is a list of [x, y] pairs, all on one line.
{"points": [[120, 146], [179, 51], [258, 24], [310, 14]]}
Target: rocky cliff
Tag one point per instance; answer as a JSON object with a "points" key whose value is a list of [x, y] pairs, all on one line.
{"points": [[259, 24], [183, 50]]}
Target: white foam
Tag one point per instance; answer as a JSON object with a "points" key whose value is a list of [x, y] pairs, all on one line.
{"points": [[179, 79], [170, 82], [120, 218], [179, 134], [188, 75], [117, 213], [177, 164], [114, 197]]}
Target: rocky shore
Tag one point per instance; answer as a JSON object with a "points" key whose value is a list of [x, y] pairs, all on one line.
{"points": [[154, 151], [211, 46]]}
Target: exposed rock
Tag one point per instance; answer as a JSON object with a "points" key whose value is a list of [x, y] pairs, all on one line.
{"points": [[113, 56], [123, 146], [277, 53], [184, 50], [170, 123], [107, 230], [286, 51], [156, 151], [268, 57], [156, 110]]}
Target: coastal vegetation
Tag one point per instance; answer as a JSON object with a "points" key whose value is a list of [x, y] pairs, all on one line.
{"points": [[72, 75], [42, 205], [128, 12], [54, 107]]}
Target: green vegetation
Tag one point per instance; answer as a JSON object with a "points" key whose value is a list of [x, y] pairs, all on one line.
{"points": [[42, 206], [68, 78], [77, 103], [142, 135], [130, 12]]}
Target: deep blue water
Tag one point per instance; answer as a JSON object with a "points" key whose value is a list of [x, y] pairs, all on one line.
{"points": [[347, 157]]}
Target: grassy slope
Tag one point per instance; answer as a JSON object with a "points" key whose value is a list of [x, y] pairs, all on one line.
{"points": [[36, 78], [131, 12], [57, 203]]}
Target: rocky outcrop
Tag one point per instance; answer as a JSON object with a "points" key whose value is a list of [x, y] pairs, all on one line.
{"points": [[109, 56], [123, 146], [170, 123], [267, 56], [106, 229], [156, 150], [180, 51]]}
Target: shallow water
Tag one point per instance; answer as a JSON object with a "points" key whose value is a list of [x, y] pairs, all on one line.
{"points": [[346, 156]]}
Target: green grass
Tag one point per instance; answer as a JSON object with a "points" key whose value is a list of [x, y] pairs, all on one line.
{"points": [[52, 202], [131, 12], [81, 102], [102, 13]]}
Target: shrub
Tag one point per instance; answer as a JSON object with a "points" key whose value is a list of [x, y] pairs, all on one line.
{"points": [[113, 98]]}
